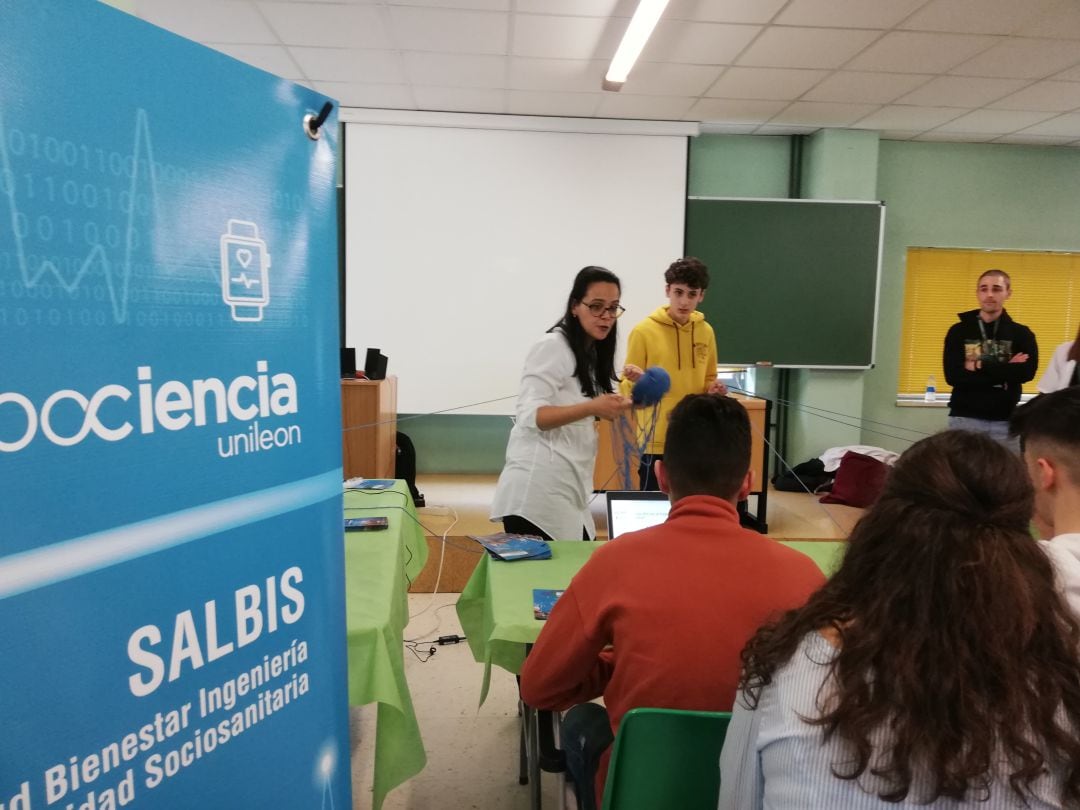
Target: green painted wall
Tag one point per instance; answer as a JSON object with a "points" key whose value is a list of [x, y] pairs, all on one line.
{"points": [[960, 195], [459, 444], [739, 166]]}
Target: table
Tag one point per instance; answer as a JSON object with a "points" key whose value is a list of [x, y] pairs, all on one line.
{"points": [[379, 566], [495, 609]]}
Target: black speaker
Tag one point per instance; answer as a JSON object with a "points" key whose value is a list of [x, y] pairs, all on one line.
{"points": [[375, 365], [348, 363]]}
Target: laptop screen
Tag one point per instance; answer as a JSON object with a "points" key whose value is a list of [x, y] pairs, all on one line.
{"points": [[630, 511]]}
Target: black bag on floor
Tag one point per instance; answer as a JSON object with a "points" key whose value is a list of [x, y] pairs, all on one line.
{"points": [[810, 475], [405, 467]]}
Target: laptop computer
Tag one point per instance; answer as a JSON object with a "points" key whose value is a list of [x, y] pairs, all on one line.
{"points": [[630, 510]]}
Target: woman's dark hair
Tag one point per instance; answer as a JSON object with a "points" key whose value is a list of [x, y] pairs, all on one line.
{"points": [[957, 659], [594, 359]]}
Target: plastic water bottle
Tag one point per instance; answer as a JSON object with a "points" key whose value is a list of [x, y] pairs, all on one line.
{"points": [[931, 390]]}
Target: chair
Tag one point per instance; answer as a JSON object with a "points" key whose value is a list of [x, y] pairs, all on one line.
{"points": [[666, 758]]}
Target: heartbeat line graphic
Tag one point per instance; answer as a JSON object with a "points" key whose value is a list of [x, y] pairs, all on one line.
{"points": [[97, 257], [247, 281]]}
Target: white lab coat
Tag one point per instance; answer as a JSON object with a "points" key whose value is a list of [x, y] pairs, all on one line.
{"points": [[548, 473], [1059, 372]]}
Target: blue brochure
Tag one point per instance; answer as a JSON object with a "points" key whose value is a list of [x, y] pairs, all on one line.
{"points": [[371, 483], [509, 547], [544, 600]]}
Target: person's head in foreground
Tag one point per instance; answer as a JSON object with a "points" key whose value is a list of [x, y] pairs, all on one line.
{"points": [[707, 450], [938, 663], [1049, 432]]}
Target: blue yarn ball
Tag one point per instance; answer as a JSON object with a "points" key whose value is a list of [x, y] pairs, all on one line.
{"points": [[651, 386]]}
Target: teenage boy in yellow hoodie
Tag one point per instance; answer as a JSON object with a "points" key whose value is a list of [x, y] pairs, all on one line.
{"points": [[676, 338]]}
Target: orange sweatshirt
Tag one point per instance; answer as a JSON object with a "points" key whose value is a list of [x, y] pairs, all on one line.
{"points": [[677, 602]]}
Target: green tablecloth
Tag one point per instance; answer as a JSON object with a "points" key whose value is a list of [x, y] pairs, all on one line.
{"points": [[378, 568], [495, 607]]}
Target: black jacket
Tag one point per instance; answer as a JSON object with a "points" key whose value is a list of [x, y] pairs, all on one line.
{"points": [[992, 391]]}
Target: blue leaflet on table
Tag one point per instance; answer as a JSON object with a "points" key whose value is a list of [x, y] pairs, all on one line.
{"points": [[544, 600], [372, 483], [511, 547]]}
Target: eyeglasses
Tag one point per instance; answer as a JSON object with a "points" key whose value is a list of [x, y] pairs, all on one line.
{"points": [[599, 310]]}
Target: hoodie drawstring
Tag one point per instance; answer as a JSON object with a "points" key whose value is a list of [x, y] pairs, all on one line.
{"points": [[678, 345]]}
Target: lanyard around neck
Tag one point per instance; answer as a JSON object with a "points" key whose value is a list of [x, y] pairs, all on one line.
{"points": [[982, 327]]}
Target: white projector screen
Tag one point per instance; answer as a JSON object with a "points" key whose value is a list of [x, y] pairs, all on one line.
{"points": [[462, 244]]}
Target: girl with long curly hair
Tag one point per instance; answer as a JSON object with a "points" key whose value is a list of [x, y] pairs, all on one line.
{"points": [[938, 666]]}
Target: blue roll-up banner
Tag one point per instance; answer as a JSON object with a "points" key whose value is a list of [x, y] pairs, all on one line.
{"points": [[171, 586]]}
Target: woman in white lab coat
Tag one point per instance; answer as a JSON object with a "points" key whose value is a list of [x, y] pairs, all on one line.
{"points": [[568, 382]]}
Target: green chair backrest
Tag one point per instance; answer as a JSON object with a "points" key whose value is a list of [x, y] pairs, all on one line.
{"points": [[666, 758]]}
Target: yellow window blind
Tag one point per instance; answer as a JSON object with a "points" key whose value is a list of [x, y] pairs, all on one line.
{"points": [[941, 282]]}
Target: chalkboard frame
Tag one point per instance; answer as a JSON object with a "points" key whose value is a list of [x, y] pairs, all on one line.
{"points": [[743, 326]]}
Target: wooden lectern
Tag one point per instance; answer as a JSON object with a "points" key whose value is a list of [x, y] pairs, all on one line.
{"points": [[369, 427], [609, 470]]}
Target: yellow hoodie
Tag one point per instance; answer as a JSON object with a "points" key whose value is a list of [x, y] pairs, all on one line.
{"points": [[687, 353]]}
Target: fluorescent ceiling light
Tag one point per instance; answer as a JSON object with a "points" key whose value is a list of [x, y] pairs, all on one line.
{"points": [[637, 34]]}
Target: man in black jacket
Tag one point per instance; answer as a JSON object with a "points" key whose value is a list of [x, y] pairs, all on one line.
{"points": [[988, 357]]}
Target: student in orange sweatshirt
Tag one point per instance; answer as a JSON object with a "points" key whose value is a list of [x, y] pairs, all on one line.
{"points": [[660, 616]]}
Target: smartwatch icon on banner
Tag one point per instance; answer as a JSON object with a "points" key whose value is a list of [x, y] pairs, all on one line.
{"points": [[245, 286]]}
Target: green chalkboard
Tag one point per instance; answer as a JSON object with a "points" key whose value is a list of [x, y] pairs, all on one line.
{"points": [[792, 282]]}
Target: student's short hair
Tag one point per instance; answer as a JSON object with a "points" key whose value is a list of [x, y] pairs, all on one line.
{"points": [[688, 270], [707, 449], [1050, 424], [1002, 273]]}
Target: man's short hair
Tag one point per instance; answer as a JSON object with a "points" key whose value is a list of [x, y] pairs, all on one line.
{"points": [[690, 271], [1002, 273], [707, 449], [1050, 425]]}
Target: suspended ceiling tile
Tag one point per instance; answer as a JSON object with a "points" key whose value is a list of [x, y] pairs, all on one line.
{"points": [[960, 91], [823, 114], [566, 37], [455, 69], [327, 25], [1046, 96], [1022, 58], [574, 105], [846, 13], [976, 16], [349, 64], [208, 21], [915, 52], [806, 47], [460, 99], [441, 30], [866, 88], [896, 116], [698, 43], [783, 84], [996, 121], [555, 75]]}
